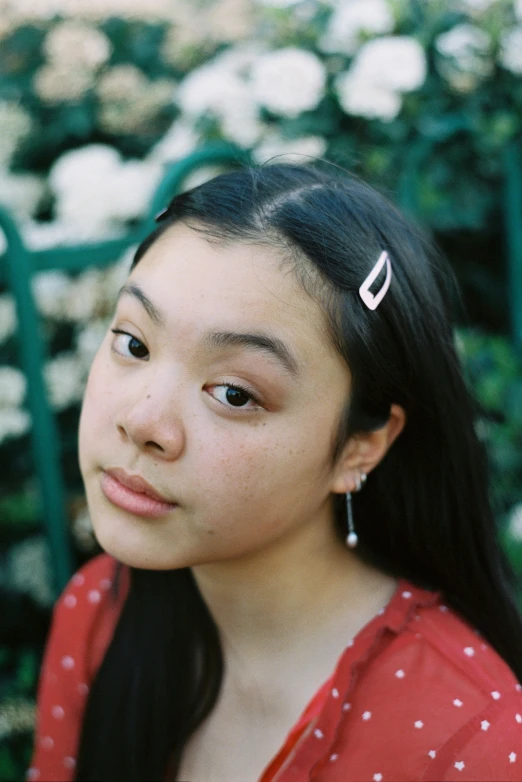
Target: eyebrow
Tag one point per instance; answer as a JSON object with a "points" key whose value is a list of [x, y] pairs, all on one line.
{"points": [[155, 313], [265, 343]]}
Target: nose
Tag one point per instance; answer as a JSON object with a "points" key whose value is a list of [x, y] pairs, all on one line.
{"points": [[152, 424]]}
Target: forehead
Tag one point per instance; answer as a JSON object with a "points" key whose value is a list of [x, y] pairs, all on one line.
{"points": [[202, 284]]}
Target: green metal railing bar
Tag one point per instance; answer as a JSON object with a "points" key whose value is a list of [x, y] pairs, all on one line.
{"points": [[513, 211], [43, 431], [20, 264]]}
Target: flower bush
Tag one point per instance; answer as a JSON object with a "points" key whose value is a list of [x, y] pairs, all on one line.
{"points": [[98, 96]]}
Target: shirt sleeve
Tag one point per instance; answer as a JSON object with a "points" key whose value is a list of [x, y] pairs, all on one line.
{"points": [[488, 749], [82, 623]]}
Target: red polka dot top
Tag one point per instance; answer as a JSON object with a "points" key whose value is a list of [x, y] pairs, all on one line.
{"points": [[416, 695]]}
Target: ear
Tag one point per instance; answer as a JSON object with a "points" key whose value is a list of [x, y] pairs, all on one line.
{"points": [[364, 451]]}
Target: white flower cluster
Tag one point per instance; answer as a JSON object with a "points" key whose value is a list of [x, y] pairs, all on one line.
{"points": [[466, 56], [476, 7], [510, 54], [28, 569], [129, 101], [350, 21], [288, 81], [88, 302], [65, 378], [21, 193], [14, 422], [235, 86], [96, 190], [75, 51], [15, 125], [94, 10], [383, 69]]}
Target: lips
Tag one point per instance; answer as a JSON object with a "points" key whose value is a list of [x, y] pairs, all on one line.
{"points": [[133, 494], [137, 484]]}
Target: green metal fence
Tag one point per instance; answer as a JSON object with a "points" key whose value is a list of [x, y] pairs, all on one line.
{"points": [[19, 264]]}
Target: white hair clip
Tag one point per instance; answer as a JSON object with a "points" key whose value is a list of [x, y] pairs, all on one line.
{"points": [[371, 301]]}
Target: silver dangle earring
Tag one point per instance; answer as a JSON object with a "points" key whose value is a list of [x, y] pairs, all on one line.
{"points": [[351, 538]]}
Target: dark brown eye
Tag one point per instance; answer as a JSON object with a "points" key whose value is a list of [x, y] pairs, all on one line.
{"points": [[127, 345], [236, 397], [137, 348]]}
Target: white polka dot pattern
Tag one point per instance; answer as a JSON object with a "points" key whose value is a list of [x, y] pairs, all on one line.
{"points": [[422, 684], [94, 596]]}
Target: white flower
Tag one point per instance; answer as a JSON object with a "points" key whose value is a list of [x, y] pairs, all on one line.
{"points": [[65, 379], [209, 88], [468, 45], [13, 423], [395, 63], [79, 162], [59, 83], [95, 189], [510, 55], [465, 56], [288, 81], [293, 151], [179, 140], [50, 290], [89, 340], [21, 193], [84, 295], [349, 20], [7, 317], [29, 569], [278, 3], [477, 6], [241, 125], [12, 387], [515, 523], [364, 99], [76, 44], [132, 187], [15, 125], [216, 89]]}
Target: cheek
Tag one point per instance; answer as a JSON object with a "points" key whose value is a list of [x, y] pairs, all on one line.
{"points": [[264, 468], [96, 409]]}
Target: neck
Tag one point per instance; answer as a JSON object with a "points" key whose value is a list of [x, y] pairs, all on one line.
{"points": [[301, 593]]}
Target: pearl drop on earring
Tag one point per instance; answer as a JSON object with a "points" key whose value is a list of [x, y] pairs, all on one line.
{"points": [[351, 538]]}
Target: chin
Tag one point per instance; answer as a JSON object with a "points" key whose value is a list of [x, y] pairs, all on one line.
{"points": [[135, 545]]}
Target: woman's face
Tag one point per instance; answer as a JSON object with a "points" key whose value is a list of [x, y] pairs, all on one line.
{"points": [[220, 391]]}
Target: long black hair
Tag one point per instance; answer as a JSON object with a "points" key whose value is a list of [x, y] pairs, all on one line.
{"points": [[425, 511]]}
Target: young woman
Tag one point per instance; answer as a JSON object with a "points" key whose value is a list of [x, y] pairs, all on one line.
{"points": [[302, 579]]}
